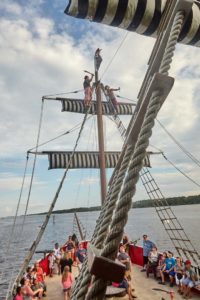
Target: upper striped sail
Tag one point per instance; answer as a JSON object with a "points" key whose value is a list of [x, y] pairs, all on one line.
{"points": [[77, 105], [141, 16]]}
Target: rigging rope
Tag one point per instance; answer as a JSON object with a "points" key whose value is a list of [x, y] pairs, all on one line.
{"points": [[179, 170], [118, 96], [29, 192], [40, 234], [7, 249], [76, 127], [191, 156], [98, 288], [64, 93], [120, 45]]}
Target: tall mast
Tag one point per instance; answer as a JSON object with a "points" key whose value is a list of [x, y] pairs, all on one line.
{"points": [[100, 132]]}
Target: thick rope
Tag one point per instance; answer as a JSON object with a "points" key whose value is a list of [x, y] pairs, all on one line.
{"points": [[84, 278], [107, 218], [98, 288]]}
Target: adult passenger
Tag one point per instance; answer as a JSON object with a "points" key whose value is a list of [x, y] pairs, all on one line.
{"points": [[80, 255], [124, 258], [87, 89], [110, 92], [147, 247], [70, 246], [66, 260], [40, 276], [27, 292], [190, 280]]}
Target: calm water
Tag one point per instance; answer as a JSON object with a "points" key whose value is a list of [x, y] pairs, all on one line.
{"points": [[140, 221]]}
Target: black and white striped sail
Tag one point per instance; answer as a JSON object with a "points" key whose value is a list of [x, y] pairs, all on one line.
{"points": [[81, 160], [141, 16], [77, 105]]}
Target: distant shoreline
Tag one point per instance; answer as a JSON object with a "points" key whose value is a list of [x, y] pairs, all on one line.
{"points": [[174, 201]]}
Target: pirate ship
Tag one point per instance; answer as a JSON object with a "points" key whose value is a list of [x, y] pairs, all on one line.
{"points": [[170, 22]]}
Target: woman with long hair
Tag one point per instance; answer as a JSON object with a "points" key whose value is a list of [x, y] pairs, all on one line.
{"points": [[67, 280]]}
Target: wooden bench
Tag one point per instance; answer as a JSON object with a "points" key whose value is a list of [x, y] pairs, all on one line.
{"points": [[112, 291]]}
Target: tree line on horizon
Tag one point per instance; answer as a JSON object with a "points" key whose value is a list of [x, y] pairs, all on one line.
{"points": [[174, 201]]}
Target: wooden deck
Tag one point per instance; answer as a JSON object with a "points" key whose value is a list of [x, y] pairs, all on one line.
{"points": [[143, 288]]}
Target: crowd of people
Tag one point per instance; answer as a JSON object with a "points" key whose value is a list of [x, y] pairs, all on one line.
{"points": [[60, 261], [165, 266]]}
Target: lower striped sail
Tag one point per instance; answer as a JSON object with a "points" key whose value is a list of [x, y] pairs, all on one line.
{"points": [[60, 160], [141, 16]]}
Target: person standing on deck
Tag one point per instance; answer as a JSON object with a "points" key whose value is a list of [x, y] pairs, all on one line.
{"points": [[147, 247], [67, 280], [87, 89], [110, 92], [80, 255]]}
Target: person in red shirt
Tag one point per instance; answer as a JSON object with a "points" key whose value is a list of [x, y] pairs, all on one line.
{"points": [[40, 276]]}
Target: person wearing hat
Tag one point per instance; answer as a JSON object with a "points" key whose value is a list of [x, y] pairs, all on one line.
{"points": [[87, 89], [189, 281]]}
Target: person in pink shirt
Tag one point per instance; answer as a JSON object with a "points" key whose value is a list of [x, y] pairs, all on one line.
{"points": [[67, 280], [18, 295]]}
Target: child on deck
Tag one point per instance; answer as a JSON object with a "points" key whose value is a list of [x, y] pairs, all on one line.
{"points": [[179, 270], [51, 260], [67, 280], [168, 268]]}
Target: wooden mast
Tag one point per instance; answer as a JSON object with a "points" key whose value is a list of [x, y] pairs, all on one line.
{"points": [[100, 134]]}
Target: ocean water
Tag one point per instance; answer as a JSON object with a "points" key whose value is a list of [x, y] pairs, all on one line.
{"points": [[144, 220]]}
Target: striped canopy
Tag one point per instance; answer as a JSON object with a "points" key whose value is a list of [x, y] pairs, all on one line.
{"points": [[80, 160], [77, 105], [141, 16]]}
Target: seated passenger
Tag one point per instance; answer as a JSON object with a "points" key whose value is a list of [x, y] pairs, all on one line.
{"points": [[18, 295], [126, 242], [161, 262], [67, 280], [40, 276], [80, 255], [152, 261], [189, 281], [27, 292], [66, 260], [168, 268], [179, 271], [125, 285]]}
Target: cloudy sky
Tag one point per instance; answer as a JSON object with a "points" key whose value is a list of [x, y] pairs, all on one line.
{"points": [[42, 52]]}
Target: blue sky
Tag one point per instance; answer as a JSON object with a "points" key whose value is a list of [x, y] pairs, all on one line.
{"points": [[43, 52]]}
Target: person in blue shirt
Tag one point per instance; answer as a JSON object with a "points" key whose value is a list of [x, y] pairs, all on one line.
{"points": [[147, 247], [168, 268]]}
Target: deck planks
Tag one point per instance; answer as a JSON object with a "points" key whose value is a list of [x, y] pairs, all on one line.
{"points": [[142, 285]]}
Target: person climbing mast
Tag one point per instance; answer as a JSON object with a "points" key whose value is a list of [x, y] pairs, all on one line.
{"points": [[87, 89], [110, 92]]}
